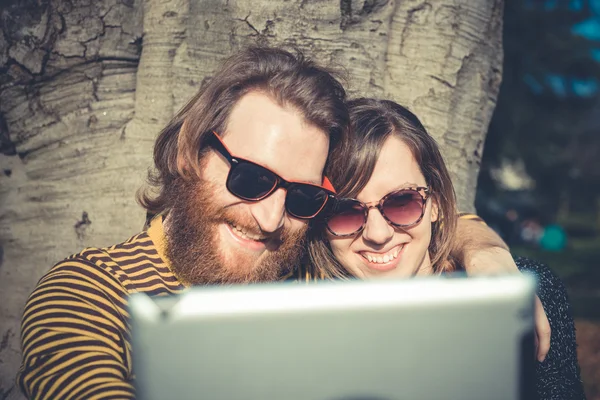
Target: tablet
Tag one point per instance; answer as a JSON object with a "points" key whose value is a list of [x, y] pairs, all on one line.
{"points": [[422, 338]]}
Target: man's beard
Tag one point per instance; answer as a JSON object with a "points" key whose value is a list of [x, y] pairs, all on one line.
{"points": [[194, 249]]}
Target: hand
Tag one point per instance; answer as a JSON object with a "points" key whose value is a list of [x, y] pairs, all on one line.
{"points": [[496, 261]]}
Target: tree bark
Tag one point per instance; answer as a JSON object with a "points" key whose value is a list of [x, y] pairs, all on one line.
{"points": [[82, 98]]}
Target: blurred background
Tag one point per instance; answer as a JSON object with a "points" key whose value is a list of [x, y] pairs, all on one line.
{"points": [[539, 185]]}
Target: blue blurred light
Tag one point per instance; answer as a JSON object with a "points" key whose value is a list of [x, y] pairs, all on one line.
{"points": [[557, 84], [595, 53], [584, 87], [576, 5], [595, 6], [550, 5], [533, 84], [589, 29]]}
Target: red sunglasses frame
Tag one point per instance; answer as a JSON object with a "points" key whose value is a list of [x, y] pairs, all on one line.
{"points": [[218, 144]]}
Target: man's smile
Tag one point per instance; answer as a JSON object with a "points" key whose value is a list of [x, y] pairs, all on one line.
{"points": [[243, 238]]}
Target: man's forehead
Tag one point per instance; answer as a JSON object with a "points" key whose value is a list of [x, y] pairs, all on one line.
{"points": [[277, 137], [285, 155]]}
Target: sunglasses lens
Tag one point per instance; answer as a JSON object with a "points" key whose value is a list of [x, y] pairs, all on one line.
{"points": [[404, 208], [347, 218], [250, 181], [305, 201]]}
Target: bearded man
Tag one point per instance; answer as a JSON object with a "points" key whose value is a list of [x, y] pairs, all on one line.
{"points": [[239, 173]]}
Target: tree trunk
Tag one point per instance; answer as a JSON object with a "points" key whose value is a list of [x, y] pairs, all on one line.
{"points": [[82, 99]]}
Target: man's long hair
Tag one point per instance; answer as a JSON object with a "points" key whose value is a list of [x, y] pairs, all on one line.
{"points": [[291, 80], [372, 122]]}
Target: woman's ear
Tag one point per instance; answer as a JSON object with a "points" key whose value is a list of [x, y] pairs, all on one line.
{"points": [[434, 210]]}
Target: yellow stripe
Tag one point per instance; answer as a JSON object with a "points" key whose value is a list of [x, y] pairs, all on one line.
{"points": [[145, 281], [155, 274], [74, 359], [77, 279], [86, 335], [65, 375], [132, 257], [28, 341], [45, 378], [145, 245], [50, 305], [103, 384], [111, 286], [82, 377], [34, 379], [151, 268], [79, 319], [82, 337], [159, 286], [109, 283], [107, 393]]}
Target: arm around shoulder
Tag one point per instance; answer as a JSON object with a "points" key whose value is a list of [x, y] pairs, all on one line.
{"points": [[479, 249]]}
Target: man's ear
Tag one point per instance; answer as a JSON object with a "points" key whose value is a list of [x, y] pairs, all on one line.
{"points": [[434, 210]]}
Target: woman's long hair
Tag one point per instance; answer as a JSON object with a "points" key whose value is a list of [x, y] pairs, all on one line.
{"points": [[372, 122]]}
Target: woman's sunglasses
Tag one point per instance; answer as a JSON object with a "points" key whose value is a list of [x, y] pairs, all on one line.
{"points": [[252, 182], [402, 208]]}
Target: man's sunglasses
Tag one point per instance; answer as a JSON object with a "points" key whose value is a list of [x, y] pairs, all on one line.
{"points": [[402, 208], [252, 182]]}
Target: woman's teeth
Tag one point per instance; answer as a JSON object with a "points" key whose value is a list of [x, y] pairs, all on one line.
{"points": [[381, 259]]}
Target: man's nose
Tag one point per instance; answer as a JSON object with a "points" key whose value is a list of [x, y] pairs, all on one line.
{"points": [[377, 230], [269, 212]]}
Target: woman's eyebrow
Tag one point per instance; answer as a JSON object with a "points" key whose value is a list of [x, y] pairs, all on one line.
{"points": [[407, 185]]}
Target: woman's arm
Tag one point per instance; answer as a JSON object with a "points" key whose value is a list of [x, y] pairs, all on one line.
{"points": [[558, 375]]}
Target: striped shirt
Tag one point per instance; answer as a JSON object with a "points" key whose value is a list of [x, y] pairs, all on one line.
{"points": [[75, 330]]}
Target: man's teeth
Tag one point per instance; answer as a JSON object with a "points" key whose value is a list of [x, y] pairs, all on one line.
{"points": [[243, 234], [385, 258]]}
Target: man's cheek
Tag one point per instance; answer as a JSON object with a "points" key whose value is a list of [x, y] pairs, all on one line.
{"points": [[297, 225]]}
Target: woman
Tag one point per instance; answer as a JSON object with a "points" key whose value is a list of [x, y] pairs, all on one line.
{"points": [[396, 217]]}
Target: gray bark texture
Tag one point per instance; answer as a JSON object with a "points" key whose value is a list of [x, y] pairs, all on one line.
{"points": [[85, 87]]}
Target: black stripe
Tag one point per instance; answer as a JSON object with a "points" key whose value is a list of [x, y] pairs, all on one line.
{"points": [[65, 291], [94, 279], [139, 254], [105, 397], [161, 291], [142, 236], [139, 258], [57, 311], [92, 330], [142, 286], [89, 364], [147, 242]]}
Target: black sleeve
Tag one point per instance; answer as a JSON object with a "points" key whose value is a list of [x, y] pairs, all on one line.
{"points": [[558, 377]]}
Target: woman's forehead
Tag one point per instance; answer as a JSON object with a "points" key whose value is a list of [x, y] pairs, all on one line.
{"points": [[395, 168]]}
